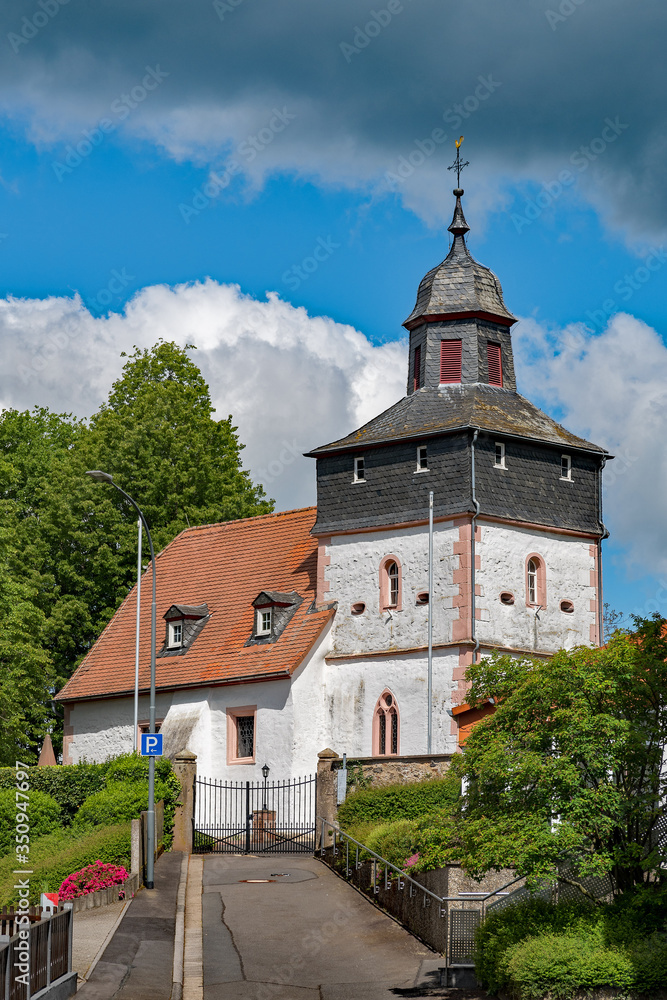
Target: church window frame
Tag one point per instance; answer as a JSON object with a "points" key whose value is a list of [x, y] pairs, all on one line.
{"points": [[386, 726], [536, 585], [236, 725], [422, 458], [359, 469], [501, 458], [391, 584], [566, 468]]}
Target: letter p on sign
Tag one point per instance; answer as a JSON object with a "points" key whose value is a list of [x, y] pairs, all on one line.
{"points": [[151, 744]]}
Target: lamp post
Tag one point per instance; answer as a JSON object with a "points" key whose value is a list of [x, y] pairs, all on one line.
{"points": [[104, 477], [265, 775]]}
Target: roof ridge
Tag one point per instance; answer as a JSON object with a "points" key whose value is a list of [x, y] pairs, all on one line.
{"points": [[240, 520]]}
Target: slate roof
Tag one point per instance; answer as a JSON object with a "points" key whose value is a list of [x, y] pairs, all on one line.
{"points": [[224, 566], [460, 285], [456, 407]]}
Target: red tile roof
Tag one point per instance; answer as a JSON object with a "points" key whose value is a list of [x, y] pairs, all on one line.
{"points": [[225, 566]]}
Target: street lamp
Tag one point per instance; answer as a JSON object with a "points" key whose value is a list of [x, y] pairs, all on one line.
{"points": [[104, 477], [265, 775]]}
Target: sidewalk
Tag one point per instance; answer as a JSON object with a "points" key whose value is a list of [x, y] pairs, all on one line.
{"points": [[137, 964]]}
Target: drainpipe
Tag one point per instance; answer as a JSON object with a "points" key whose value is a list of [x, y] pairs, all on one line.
{"points": [[429, 729], [605, 534], [473, 626]]}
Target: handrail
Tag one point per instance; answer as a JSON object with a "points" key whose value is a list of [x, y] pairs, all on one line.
{"points": [[414, 886]]}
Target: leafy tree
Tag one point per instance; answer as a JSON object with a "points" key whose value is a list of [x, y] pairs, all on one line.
{"points": [[571, 765], [72, 557]]}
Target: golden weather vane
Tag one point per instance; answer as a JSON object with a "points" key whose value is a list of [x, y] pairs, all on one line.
{"points": [[458, 164]]}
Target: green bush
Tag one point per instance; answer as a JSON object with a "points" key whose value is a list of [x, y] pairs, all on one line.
{"points": [[68, 784], [118, 802], [72, 784], [536, 948], [394, 802], [57, 855], [43, 816]]}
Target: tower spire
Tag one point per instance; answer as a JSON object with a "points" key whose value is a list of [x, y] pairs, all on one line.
{"points": [[459, 226]]}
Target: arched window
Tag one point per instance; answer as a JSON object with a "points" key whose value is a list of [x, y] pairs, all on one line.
{"points": [[385, 726], [390, 584], [536, 589]]}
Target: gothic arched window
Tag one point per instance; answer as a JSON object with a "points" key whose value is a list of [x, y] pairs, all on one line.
{"points": [[536, 588], [390, 584], [385, 726]]}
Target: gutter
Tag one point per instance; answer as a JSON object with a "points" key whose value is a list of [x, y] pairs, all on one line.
{"points": [[605, 534], [473, 523]]}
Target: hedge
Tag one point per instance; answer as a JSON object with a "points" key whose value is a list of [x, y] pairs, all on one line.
{"points": [[57, 855], [536, 948], [120, 801], [68, 784], [71, 784], [42, 814], [394, 802]]}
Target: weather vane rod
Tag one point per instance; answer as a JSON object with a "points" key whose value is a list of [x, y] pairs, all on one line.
{"points": [[458, 164]]}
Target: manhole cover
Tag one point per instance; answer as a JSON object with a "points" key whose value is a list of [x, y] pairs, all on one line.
{"points": [[249, 880], [279, 874]]}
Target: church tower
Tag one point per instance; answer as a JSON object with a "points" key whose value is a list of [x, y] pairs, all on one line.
{"points": [[517, 524]]}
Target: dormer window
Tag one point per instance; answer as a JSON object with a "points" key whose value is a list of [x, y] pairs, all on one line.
{"points": [[359, 471], [273, 611], [183, 624], [264, 621]]}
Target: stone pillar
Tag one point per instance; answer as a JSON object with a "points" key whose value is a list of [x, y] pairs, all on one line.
{"points": [[185, 769], [327, 794]]}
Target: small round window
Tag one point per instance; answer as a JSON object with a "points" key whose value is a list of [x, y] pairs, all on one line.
{"points": [[506, 598], [567, 607], [422, 597], [358, 608]]}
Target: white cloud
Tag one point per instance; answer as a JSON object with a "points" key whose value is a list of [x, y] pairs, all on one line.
{"points": [[612, 389], [291, 381], [294, 381]]}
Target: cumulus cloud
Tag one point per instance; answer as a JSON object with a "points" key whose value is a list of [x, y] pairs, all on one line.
{"points": [[290, 380], [294, 381], [612, 389], [529, 84]]}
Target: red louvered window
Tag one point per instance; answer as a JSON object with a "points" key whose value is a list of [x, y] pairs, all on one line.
{"points": [[450, 360], [417, 368], [494, 358]]}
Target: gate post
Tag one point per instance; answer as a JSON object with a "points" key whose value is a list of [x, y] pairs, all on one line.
{"points": [[327, 794], [185, 768]]}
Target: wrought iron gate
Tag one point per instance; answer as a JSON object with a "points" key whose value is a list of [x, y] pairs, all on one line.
{"points": [[254, 817]]}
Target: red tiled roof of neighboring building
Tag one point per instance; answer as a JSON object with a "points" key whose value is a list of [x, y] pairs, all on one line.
{"points": [[224, 566]]}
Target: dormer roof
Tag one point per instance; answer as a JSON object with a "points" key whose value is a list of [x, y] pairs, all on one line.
{"points": [[267, 598], [186, 611]]}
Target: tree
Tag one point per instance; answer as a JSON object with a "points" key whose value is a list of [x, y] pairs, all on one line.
{"points": [[571, 766], [74, 543]]}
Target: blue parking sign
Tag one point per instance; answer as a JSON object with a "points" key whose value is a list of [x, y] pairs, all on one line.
{"points": [[151, 744]]}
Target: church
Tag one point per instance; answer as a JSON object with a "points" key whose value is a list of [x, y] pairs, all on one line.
{"points": [[331, 626]]}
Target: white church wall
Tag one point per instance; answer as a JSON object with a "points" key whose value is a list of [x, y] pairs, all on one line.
{"points": [[353, 575], [503, 551], [353, 687]]}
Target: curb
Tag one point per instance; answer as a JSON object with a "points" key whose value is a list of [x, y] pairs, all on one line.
{"points": [[179, 934], [193, 972]]}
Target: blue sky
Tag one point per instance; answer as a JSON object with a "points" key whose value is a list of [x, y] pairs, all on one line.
{"points": [[312, 127]]}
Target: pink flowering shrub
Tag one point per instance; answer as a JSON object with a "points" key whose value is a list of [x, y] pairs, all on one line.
{"points": [[90, 879], [412, 860]]}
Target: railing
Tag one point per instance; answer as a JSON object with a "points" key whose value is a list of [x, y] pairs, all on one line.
{"points": [[50, 944], [442, 922]]}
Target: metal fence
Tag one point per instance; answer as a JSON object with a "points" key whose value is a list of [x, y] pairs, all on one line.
{"points": [[445, 923], [254, 817], [50, 943]]}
